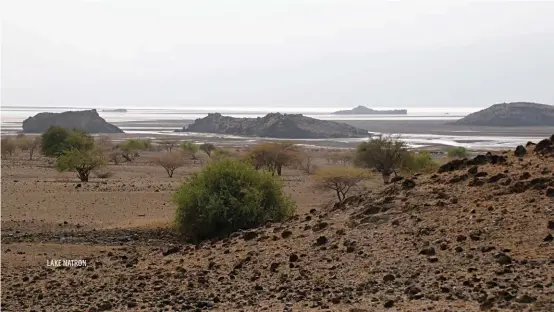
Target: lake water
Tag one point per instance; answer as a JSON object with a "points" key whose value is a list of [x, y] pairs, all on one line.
{"points": [[165, 121]]}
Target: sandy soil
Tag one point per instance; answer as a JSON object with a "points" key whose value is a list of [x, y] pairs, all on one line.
{"points": [[446, 244]]}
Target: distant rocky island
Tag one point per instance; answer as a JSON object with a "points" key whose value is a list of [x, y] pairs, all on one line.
{"points": [[275, 125], [516, 114], [87, 120], [117, 110], [362, 110]]}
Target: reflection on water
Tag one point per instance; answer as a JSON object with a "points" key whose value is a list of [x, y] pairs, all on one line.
{"points": [[144, 123]]}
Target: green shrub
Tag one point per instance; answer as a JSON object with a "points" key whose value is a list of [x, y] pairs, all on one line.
{"points": [[458, 152], [189, 147], [58, 139], [129, 149], [419, 162], [227, 196]]}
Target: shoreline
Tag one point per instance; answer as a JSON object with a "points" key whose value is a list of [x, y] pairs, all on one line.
{"points": [[420, 134]]}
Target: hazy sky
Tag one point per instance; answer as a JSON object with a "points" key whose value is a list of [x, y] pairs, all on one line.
{"points": [[261, 53]]}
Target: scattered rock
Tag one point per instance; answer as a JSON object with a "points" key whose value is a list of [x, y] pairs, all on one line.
{"points": [[170, 250], [249, 235], [322, 240], [520, 151], [503, 259], [408, 184]]}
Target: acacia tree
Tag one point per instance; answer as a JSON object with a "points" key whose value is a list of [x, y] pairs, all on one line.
{"points": [[8, 147], [170, 161], [383, 153], [208, 148], [273, 156], [81, 161], [339, 179], [28, 144]]}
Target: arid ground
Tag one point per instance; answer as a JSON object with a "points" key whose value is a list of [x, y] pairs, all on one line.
{"points": [[452, 241]]}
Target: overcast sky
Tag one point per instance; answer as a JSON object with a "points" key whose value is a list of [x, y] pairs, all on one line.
{"points": [[261, 53]]}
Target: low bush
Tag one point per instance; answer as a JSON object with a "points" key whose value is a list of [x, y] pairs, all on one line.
{"points": [[419, 162], [458, 152], [227, 196]]}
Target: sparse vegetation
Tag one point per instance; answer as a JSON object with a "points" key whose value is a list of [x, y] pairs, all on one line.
{"points": [[168, 145], [104, 143], [189, 147], [170, 161], [272, 156], [130, 148], [458, 152], [208, 148], [421, 161], [344, 158], [227, 196], [304, 161], [81, 161], [8, 147], [340, 179], [57, 139], [115, 157], [28, 144], [383, 153]]}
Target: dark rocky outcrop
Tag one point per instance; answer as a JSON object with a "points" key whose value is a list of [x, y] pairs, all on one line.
{"points": [[459, 164], [275, 125], [368, 111], [511, 115], [545, 147], [87, 120]]}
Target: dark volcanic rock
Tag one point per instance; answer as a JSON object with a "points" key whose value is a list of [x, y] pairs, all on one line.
{"points": [[87, 120], [511, 115], [544, 147], [520, 151], [276, 125]]}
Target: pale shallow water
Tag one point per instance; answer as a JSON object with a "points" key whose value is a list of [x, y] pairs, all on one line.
{"points": [[152, 119]]}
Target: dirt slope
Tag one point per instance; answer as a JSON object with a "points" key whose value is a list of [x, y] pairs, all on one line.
{"points": [[474, 237]]}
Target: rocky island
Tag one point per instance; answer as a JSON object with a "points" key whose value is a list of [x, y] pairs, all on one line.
{"points": [[362, 110], [275, 125], [87, 120], [514, 114]]}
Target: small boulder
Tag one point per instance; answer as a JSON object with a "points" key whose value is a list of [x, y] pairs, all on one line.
{"points": [[520, 151], [408, 184], [503, 259], [322, 240]]}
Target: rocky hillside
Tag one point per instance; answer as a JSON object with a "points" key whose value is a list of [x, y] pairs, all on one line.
{"points": [[475, 236], [368, 111], [275, 125], [87, 120], [511, 115]]}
